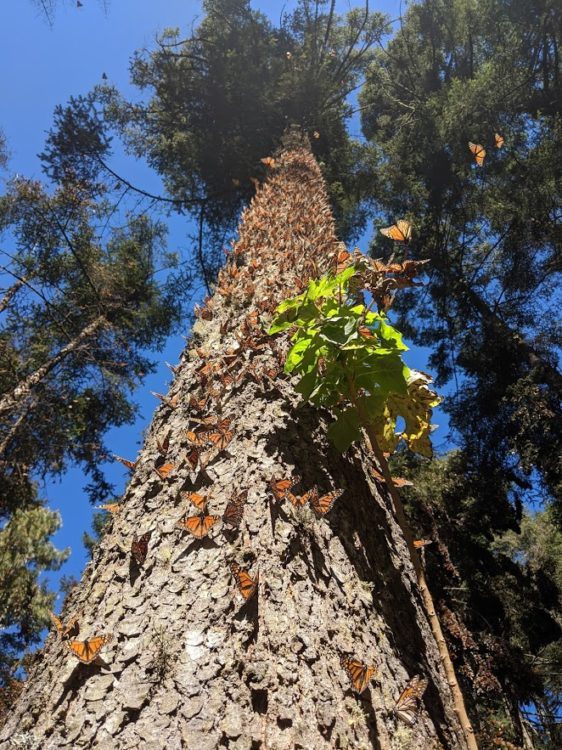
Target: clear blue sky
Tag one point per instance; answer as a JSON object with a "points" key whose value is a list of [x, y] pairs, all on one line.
{"points": [[43, 66]]}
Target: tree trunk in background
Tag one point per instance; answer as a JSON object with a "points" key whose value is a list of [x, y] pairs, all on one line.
{"points": [[191, 665]]}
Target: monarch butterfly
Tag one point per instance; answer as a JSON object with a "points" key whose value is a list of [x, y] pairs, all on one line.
{"points": [[324, 504], [111, 507], [235, 509], [399, 232], [196, 438], [246, 584], [193, 457], [129, 464], [89, 649], [220, 436], [203, 312], [172, 401], [360, 674], [343, 259], [280, 487], [139, 547], [365, 332], [164, 471], [198, 500], [298, 501], [499, 139], [198, 405], [164, 445], [198, 526], [419, 543], [478, 151], [407, 705], [70, 630], [269, 162]]}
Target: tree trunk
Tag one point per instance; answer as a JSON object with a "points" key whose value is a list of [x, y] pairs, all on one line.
{"points": [[11, 400], [10, 293], [191, 664]]}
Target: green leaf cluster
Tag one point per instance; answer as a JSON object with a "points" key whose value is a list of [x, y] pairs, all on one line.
{"points": [[349, 358]]}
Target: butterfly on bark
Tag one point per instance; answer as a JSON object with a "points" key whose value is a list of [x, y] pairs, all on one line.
{"points": [[322, 504], [408, 704], [281, 487], [68, 630], [359, 674], [198, 526], [139, 547], [87, 651], [219, 435], [200, 501], [235, 509], [163, 444], [164, 471], [129, 464], [247, 585]]}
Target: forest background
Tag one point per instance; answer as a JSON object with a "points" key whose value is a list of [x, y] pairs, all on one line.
{"points": [[393, 129]]}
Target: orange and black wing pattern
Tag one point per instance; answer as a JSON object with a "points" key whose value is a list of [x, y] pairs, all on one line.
{"points": [[234, 511], [360, 674], [323, 504], [479, 152], [164, 471], [70, 630], [399, 232], [198, 526], [499, 140], [139, 547], [407, 705], [200, 501], [125, 461], [87, 651], [246, 584], [219, 435], [281, 487]]}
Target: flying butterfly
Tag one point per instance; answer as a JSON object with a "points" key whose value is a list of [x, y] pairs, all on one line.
{"points": [[129, 464], [198, 526], [269, 162], [399, 232], [70, 630], [499, 140], [220, 436], [87, 651], [163, 444], [421, 543], [407, 705], [139, 547], [235, 509], [325, 503], [246, 584], [164, 471], [478, 151], [280, 487], [360, 674], [198, 500]]}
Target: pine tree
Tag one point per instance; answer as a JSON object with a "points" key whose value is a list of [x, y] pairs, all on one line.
{"points": [[192, 663]]}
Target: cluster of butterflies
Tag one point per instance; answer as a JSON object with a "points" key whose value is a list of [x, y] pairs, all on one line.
{"points": [[406, 707], [86, 651], [320, 504]]}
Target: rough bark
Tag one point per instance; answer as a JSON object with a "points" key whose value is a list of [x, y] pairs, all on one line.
{"points": [[12, 399], [191, 665], [10, 294]]}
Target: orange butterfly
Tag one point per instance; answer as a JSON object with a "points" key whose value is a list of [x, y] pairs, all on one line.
{"points": [[324, 504], [193, 457], [198, 526], [220, 436], [478, 151], [172, 401], [235, 509], [129, 464], [70, 630], [360, 674], [196, 438], [399, 232], [198, 500], [164, 445], [343, 259], [139, 547], [246, 584], [281, 487], [111, 507], [198, 405], [420, 543], [164, 471], [88, 650], [269, 162], [499, 139], [407, 705]]}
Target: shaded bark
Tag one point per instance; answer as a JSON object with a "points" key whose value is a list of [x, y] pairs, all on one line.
{"points": [[191, 664], [10, 294]]}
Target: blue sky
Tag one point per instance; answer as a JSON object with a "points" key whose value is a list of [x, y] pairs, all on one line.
{"points": [[43, 66]]}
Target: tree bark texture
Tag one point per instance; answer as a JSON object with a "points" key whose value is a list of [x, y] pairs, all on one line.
{"points": [[191, 664]]}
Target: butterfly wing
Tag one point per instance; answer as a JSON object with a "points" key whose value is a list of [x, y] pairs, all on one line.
{"points": [[198, 526], [419, 543], [164, 444], [324, 504], [360, 674], [193, 457], [399, 232], [57, 623], [298, 501], [499, 139], [246, 584], [407, 705], [111, 507], [281, 487], [139, 547], [86, 651], [164, 471], [479, 152], [198, 500], [235, 509]]}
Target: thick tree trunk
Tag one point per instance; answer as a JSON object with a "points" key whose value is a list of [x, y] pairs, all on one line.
{"points": [[191, 665], [11, 400]]}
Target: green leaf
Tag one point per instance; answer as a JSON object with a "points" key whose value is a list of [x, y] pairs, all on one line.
{"points": [[345, 430]]}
